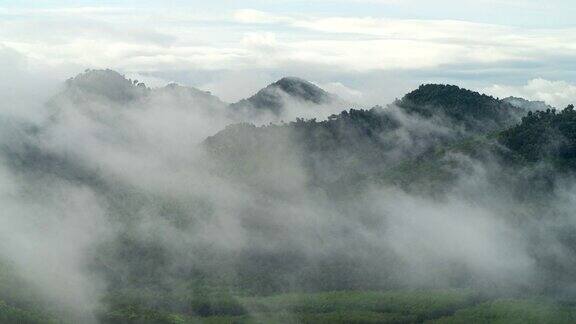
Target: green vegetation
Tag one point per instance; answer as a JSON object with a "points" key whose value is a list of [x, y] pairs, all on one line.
{"points": [[419, 147], [510, 311], [545, 135], [474, 111], [18, 301], [374, 145], [339, 307], [9, 314], [421, 304], [437, 307]]}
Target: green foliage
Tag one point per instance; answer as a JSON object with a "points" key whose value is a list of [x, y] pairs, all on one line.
{"points": [[440, 307], [13, 315], [408, 306], [545, 135], [337, 307], [341, 153], [508, 311], [19, 302], [140, 315], [348, 317], [477, 112], [422, 304], [354, 317]]}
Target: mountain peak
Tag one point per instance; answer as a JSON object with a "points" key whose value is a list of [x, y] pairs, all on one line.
{"points": [[107, 84], [273, 97], [290, 79], [302, 89], [461, 106], [444, 95]]}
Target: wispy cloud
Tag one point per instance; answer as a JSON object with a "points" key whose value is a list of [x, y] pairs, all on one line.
{"points": [[146, 39], [556, 93]]}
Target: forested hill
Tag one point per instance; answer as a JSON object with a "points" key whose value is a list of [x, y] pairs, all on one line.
{"points": [[109, 87], [362, 143], [475, 111]]}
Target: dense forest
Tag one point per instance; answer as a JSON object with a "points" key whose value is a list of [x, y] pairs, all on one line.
{"points": [[544, 135]]}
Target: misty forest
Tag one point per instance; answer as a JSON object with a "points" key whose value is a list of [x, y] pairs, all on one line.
{"points": [[138, 204]]}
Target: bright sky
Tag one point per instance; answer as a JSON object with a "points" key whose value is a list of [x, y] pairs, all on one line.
{"points": [[367, 50]]}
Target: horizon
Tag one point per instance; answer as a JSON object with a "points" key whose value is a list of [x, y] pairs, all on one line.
{"points": [[297, 78]]}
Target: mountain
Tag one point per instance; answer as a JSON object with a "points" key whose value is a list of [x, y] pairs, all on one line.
{"points": [[470, 109], [184, 96], [112, 87], [527, 104], [276, 96], [444, 106], [408, 143], [106, 96], [95, 89], [363, 143], [103, 85]]}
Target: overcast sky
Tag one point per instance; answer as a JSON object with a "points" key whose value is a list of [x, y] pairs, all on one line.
{"points": [[370, 51]]}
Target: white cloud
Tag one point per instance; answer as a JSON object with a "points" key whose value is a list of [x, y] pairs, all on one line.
{"points": [[90, 37], [260, 40], [556, 93], [409, 44], [344, 92], [251, 16]]}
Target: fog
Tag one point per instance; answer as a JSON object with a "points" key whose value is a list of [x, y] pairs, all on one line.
{"points": [[107, 185]]}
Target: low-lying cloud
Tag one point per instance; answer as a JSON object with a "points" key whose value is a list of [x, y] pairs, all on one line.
{"points": [[554, 92], [115, 189]]}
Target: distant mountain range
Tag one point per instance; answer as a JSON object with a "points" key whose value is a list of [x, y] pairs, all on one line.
{"points": [[409, 142], [112, 86], [396, 143], [354, 143]]}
